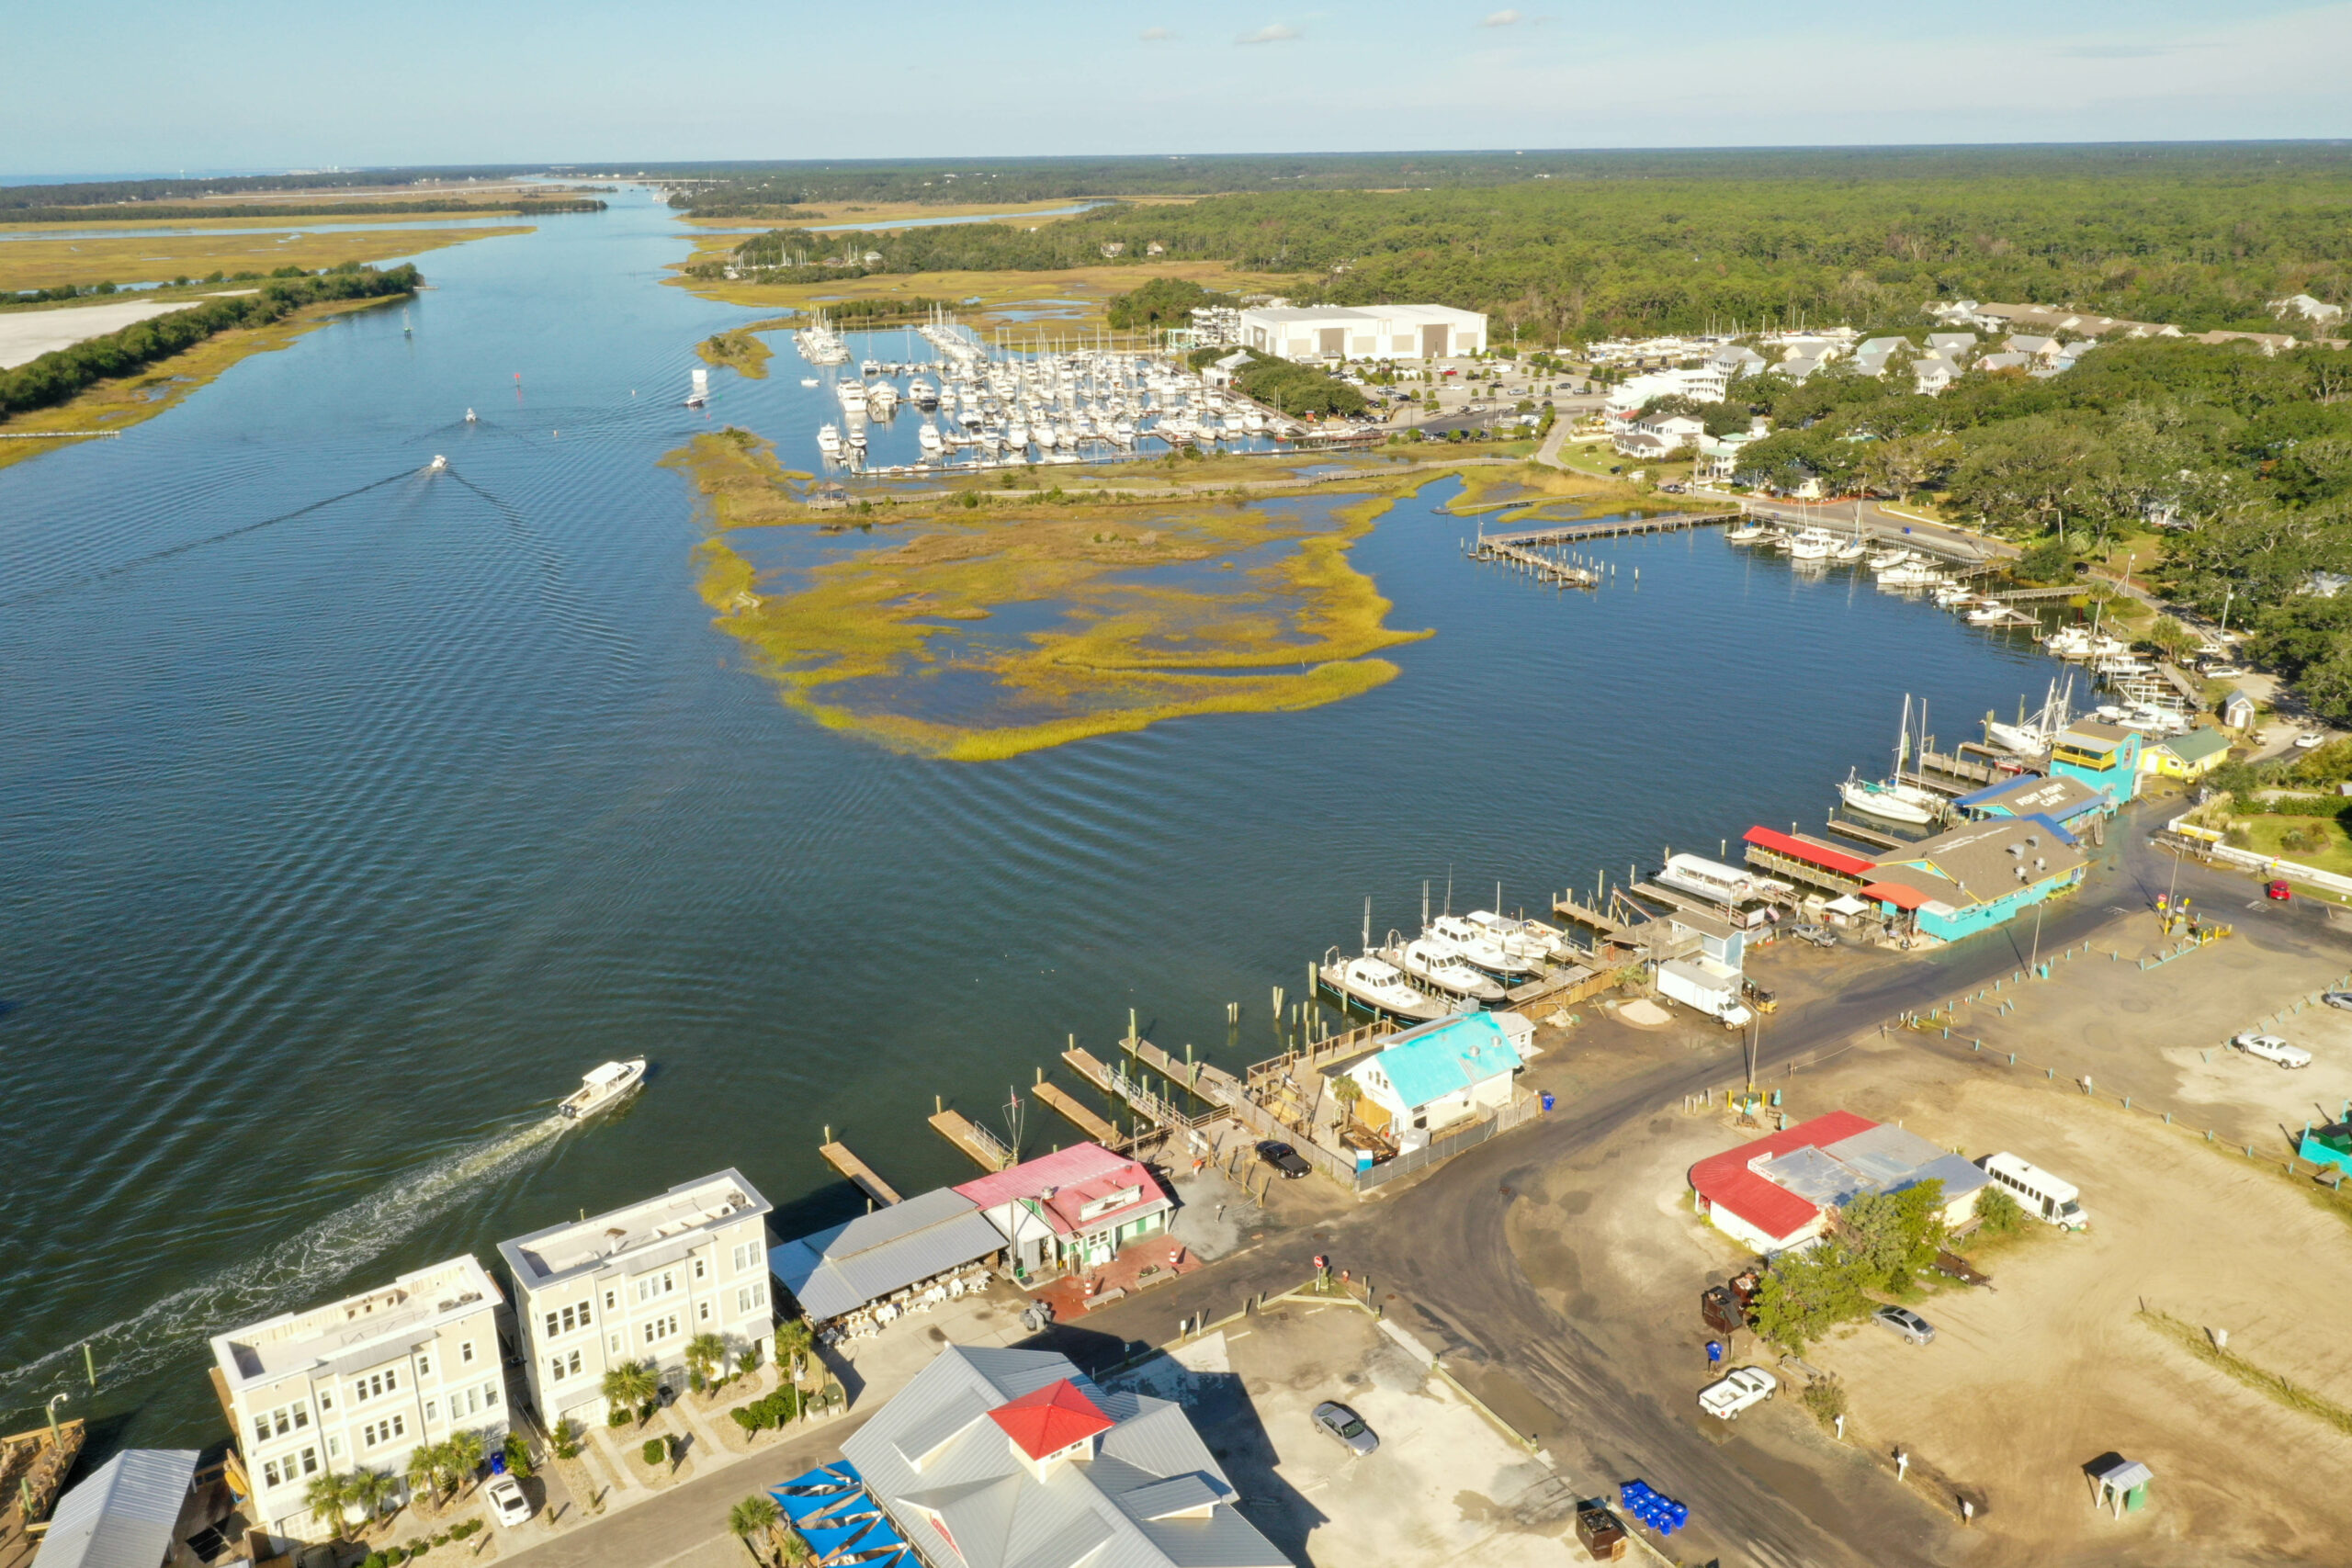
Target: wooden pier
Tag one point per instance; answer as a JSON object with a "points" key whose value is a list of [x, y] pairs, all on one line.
{"points": [[1575, 533], [1212, 1084], [1082, 1062], [1543, 569], [1568, 909], [984, 1147], [1086, 1120], [857, 1170], [1862, 835]]}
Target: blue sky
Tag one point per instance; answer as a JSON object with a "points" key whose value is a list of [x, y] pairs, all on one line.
{"points": [[266, 84]]}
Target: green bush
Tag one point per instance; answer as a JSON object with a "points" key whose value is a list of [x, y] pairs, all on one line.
{"points": [[1825, 1397], [1997, 1213], [373, 1560], [395, 1555], [567, 1439], [656, 1450], [419, 1546], [619, 1415]]}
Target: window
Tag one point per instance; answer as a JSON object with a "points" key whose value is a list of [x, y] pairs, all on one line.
{"points": [[613, 1341], [659, 1329], [746, 1254], [269, 1472], [277, 1423], [611, 1300], [572, 1364], [653, 1287], [309, 1462], [489, 1396], [702, 1311], [432, 1411], [425, 1366], [749, 1299], [555, 1369], [702, 1270], [335, 1447], [326, 1398], [551, 1323], [376, 1384], [466, 1353], [376, 1433]]}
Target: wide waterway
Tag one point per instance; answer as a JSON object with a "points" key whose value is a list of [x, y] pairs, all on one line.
{"points": [[352, 812]]}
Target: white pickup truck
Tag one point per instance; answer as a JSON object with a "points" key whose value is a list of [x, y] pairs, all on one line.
{"points": [[1745, 1387], [2270, 1048]]}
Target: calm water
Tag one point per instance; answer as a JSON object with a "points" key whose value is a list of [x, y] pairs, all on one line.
{"points": [[351, 813]]}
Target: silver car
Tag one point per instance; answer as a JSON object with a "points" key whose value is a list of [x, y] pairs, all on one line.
{"points": [[1909, 1324], [1339, 1422]]}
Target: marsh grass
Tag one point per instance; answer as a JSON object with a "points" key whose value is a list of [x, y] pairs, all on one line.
{"points": [[146, 258]]}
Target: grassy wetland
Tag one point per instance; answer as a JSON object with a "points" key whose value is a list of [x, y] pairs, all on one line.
{"points": [[145, 258], [971, 623]]}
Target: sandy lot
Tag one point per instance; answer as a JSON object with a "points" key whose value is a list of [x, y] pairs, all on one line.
{"points": [[25, 336], [1445, 1486], [2025, 1382]]}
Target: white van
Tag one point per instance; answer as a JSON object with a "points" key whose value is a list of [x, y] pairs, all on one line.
{"points": [[2037, 1192]]}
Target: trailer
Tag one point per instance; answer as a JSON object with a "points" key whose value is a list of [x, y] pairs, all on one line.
{"points": [[1706, 987]]}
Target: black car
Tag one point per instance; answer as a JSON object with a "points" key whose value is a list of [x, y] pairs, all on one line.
{"points": [[1284, 1159]]}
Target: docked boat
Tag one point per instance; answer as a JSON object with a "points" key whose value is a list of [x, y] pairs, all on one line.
{"points": [[1812, 544], [829, 440], [1474, 943], [603, 1088], [808, 380], [1888, 801], [1896, 555], [1374, 983], [928, 437], [1532, 938], [922, 394], [1424, 961], [882, 398], [1910, 574], [1847, 549], [1991, 612], [1747, 533]]}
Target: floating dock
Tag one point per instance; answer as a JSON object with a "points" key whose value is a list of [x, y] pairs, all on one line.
{"points": [[1082, 1062], [857, 1170], [1846, 827], [978, 1143], [1573, 533], [1086, 1120], [1213, 1083]]}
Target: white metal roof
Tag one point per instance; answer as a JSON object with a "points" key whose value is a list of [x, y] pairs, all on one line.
{"points": [[122, 1515]]}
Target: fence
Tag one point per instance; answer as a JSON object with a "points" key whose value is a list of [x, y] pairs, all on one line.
{"points": [[2207, 843], [1436, 1149]]}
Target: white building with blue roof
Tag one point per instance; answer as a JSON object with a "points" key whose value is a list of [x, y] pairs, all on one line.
{"points": [[1430, 1078]]}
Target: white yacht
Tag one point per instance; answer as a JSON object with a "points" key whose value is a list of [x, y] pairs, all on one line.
{"points": [[1988, 612], [1910, 574], [1481, 946], [829, 440], [922, 394], [1374, 983], [472, 417], [928, 437], [1813, 544], [438, 463], [1896, 555], [1532, 939], [808, 380], [1016, 435], [882, 398], [599, 1089], [1746, 531]]}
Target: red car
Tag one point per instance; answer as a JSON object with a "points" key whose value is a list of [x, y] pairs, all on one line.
{"points": [[2279, 890]]}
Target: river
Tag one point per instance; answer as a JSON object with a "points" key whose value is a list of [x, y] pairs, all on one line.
{"points": [[352, 812]]}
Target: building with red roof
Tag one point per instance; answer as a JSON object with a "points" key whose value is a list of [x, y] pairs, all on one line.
{"points": [[1780, 1190], [1075, 1207], [1051, 1420]]}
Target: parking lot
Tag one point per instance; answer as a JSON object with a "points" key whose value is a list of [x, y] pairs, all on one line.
{"points": [[1445, 1486]]}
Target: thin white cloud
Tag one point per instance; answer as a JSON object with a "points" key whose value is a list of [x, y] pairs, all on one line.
{"points": [[1501, 19], [2112, 51], [1157, 35], [1273, 32]]}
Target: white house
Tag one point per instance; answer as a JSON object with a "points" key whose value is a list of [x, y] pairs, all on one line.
{"points": [[1431, 1077], [360, 1382], [1370, 331], [1931, 373], [1719, 455], [636, 1284], [1700, 385], [1735, 360]]}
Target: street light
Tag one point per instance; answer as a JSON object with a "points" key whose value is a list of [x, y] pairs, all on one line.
{"points": [[54, 1401]]}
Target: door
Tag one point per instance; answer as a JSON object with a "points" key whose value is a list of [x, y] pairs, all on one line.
{"points": [[1432, 342], [1334, 342]]}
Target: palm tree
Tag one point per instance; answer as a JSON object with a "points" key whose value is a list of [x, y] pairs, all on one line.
{"points": [[631, 1386], [705, 1353], [792, 1551], [426, 1464], [328, 1496], [464, 1451], [371, 1489], [793, 1340], [753, 1516]]}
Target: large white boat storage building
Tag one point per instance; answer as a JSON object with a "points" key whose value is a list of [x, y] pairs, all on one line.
{"points": [[1369, 331]]}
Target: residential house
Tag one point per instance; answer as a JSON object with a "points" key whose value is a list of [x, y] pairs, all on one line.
{"points": [[1074, 1207], [1641, 445], [1797, 366], [1431, 1079], [1015, 1459], [903, 1246], [1719, 455], [2006, 361], [1221, 372], [1954, 347], [360, 1381], [2104, 756], [2310, 309], [1626, 400], [1931, 373], [2190, 755], [1972, 878], [1735, 360], [1679, 430], [637, 1284], [1785, 1189]]}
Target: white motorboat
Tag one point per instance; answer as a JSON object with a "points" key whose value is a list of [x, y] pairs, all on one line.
{"points": [[1434, 965], [1987, 614], [472, 417], [1887, 558], [1812, 544], [602, 1087], [1016, 435], [808, 380], [829, 440], [1532, 939], [853, 396], [1474, 943], [438, 463], [1910, 574], [869, 368], [2019, 740], [1889, 802], [1747, 533], [882, 398], [1374, 983], [922, 394], [928, 437]]}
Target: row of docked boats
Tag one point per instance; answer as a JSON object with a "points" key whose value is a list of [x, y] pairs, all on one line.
{"points": [[1457, 964]]}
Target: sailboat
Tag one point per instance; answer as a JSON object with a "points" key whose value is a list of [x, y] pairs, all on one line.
{"points": [[1891, 799]]}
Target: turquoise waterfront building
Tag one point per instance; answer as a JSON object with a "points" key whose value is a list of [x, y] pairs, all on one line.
{"points": [[2103, 756], [1975, 878]]}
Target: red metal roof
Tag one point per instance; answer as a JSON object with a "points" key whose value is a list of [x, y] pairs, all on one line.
{"points": [[1725, 1179], [1896, 893], [1810, 852], [1064, 1183], [1051, 1419]]}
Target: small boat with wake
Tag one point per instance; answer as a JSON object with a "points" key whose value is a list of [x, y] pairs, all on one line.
{"points": [[603, 1088]]}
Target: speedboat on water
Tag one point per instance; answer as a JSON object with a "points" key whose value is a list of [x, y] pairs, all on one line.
{"points": [[602, 1087]]}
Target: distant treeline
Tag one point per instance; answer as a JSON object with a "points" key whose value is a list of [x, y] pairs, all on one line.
{"points": [[92, 192], [56, 378], [149, 212], [865, 312], [1598, 245], [742, 189]]}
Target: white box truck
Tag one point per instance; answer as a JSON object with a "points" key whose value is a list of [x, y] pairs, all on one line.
{"points": [[1709, 986]]}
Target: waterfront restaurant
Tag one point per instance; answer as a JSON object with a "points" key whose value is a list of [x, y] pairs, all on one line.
{"points": [[1076, 1206], [2104, 756], [1974, 878]]}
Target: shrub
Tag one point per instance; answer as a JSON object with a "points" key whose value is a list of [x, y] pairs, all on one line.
{"points": [[395, 1555], [696, 1381], [1825, 1397], [619, 1415], [744, 1416], [373, 1560], [518, 1456], [441, 1540], [1997, 1213], [656, 1450], [567, 1439], [418, 1547]]}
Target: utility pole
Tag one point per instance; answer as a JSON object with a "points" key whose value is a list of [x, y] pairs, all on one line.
{"points": [[2034, 966]]}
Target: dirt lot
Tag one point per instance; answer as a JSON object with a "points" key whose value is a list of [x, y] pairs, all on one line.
{"points": [[1445, 1486], [2026, 1382]]}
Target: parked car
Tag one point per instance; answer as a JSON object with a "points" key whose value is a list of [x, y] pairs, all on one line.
{"points": [[1820, 936], [2279, 890], [1284, 1159], [2338, 1000], [1336, 1420], [2270, 1048], [507, 1504], [1914, 1328], [1744, 1389]]}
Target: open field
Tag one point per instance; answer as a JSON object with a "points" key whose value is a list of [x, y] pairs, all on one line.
{"points": [[893, 214], [119, 404], [47, 264], [1066, 300]]}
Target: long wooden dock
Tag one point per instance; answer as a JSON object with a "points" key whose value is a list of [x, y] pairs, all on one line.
{"points": [[857, 1170], [1211, 1083], [1082, 1062], [1862, 835], [1571, 909], [1610, 528], [1086, 1120], [985, 1149]]}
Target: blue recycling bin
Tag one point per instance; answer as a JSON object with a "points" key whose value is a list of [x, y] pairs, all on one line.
{"points": [[1547, 1100]]}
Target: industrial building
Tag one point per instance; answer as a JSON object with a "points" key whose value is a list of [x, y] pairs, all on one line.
{"points": [[1780, 1190], [1370, 331]]}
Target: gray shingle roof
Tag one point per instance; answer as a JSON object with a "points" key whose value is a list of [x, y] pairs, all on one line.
{"points": [[1122, 1504]]}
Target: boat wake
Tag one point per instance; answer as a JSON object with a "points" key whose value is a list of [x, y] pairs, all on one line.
{"points": [[281, 1277]]}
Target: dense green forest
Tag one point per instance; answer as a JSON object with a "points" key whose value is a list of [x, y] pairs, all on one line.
{"points": [[2202, 237], [55, 377]]}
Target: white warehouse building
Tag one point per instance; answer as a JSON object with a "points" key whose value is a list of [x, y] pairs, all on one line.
{"points": [[1369, 331]]}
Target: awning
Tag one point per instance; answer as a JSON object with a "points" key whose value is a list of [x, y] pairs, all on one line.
{"points": [[1808, 852], [1896, 893]]}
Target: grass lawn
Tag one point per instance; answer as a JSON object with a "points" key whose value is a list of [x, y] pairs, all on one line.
{"points": [[2263, 835]]}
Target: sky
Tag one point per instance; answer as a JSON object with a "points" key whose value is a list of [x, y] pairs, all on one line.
{"points": [[265, 85]]}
